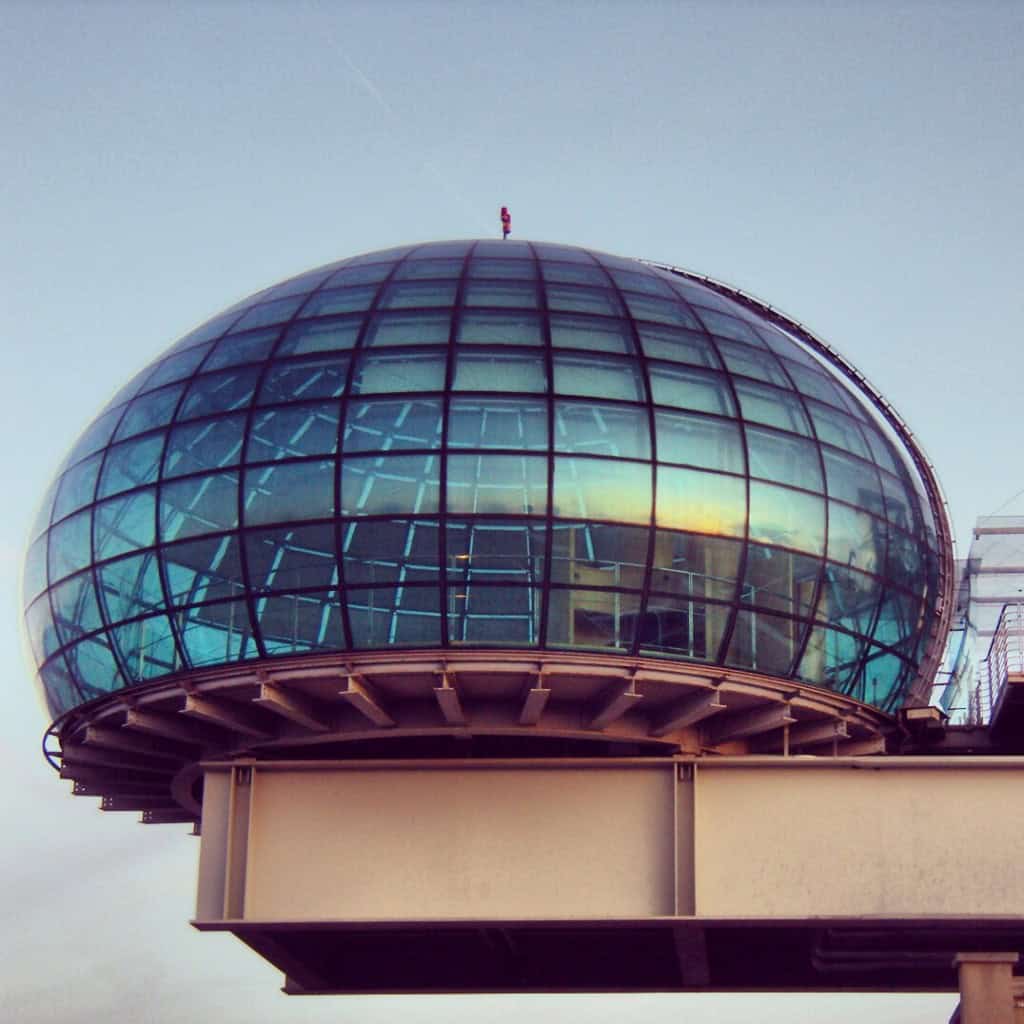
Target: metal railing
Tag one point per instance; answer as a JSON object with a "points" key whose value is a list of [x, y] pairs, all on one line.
{"points": [[1005, 658]]}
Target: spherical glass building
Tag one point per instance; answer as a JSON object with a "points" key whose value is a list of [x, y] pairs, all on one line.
{"points": [[493, 445]]}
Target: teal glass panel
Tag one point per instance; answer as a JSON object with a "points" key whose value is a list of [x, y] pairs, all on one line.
{"points": [[384, 424], [781, 581], [760, 403], [498, 268], [97, 434], [831, 659], [356, 273], [205, 504], [816, 385], [568, 298], [514, 294], [900, 504], [882, 450], [598, 377], [394, 616], [855, 539], [385, 372], [853, 481], [634, 281], [125, 524], [91, 663], [266, 313], [479, 327], [495, 551], [70, 545], [784, 459], [849, 599], [691, 388], [498, 616], [836, 428], [418, 269], [677, 344], [292, 558], [310, 337], [60, 690], [595, 334], [420, 328], [294, 623], [699, 441], [498, 423], [292, 431], [699, 502], [788, 518], [34, 579], [240, 349], [593, 428], [681, 626], [307, 378], [729, 326], [390, 551], [602, 489], [77, 487], [765, 643], [212, 328], [45, 510], [599, 555], [499, 371], [785, 346], [900, 618], [176, 367], [693, 565], [206, 569], [204, 446], [752, 362], [662, 311], [497, 484], [149, 411], [413, 294], [289, 491], [42, 631], [340, 300], [567, 253], [130, 465], [604, 619], [227, 391], [386, 485], [130, 586], [147, 648], [574, 273], [216, 634], [885, 676]]}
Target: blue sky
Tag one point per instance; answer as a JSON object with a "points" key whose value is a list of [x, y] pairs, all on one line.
{"points": [[859, 166]]}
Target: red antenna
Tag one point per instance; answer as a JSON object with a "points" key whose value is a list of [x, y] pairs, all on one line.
{"points": [[506, 222]]}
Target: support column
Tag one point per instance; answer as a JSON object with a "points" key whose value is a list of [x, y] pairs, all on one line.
{"points": [[986, 988]]}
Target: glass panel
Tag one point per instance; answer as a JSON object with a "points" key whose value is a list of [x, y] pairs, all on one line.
{"points": [[155, 409], [390, 551], [301, 284], [765, 643], [882, 450], [780, 580], [599, 555], [408, 329], [662, 311], [834, 427], [884, 678], [620, 431], [97, 434], [729, 326], [495, 551], [203, 570], [548, 251], [395, 616], [699, 441], [855, 539], [499, 371], [493, 268], [693, 565], [853, 481], [602, 489], [92, 665], [496, 615], [482, 328], [497, 484], [831, 659], [784, 459], [752, 362], [900, 506], [600, 377], [764, 404], [595, 334], [131, 465], [408, 295], [574, 273], [784, 345], [407, 371], [355, 273], [379, 426], [219, 392], [267, 313], [390, 484], [428, 268], [60, 690], [592, 618], [176, 367], [312, 377], [70, 545], [289, 491], [781, 516], [42, 633], [516, 294], [681, 627], [815, 385], [125, 524], [904, 563], [691, 389], [217, 633], [848, 598], [44, 509], [293, 431], [147, 648], [690, 499], [569, 298], [293, 623], [199, 447], [638, 281], [77, 487], [450, 250], [129, 587], [212, 328], [306, 338], [199, 505], [678, 345], [34, 580], [292, 558], [340, 300], [900, 618], [498, 423]]}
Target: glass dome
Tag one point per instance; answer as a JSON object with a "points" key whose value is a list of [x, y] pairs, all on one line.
{"points": [[498, 444]]}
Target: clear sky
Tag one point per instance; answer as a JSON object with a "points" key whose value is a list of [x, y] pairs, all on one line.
{"points": [[859, 166]]}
